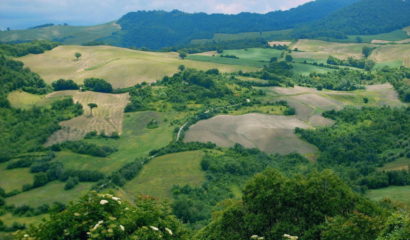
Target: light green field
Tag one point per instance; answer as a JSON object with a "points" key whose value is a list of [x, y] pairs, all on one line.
{"points": [[25, 100], [399, 194], [270, 35], [392, 54], [9, 219], [391, 36], [305, 69], [48, 194], [399, 164], [120, 66], [223, 60], [159, 176], [136, 141], [14, 179], [63, 34]]}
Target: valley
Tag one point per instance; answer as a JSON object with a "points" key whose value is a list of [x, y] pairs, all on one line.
{"points": [[295, 125]]}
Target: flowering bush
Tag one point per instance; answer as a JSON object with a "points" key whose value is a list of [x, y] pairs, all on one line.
{"points": [[104, 216]]}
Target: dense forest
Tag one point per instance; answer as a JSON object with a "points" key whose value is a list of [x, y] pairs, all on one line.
{"points": [[157, 29], [365, 17]]}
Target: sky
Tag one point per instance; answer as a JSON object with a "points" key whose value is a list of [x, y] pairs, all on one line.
{"points": [[20, 14]]}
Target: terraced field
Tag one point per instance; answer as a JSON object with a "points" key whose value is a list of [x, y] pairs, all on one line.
{"points": [[120, 66], [107, 117]]}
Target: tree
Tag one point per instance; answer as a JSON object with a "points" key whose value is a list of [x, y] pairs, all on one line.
{"points": [[181, 68], [289, 58], [98, 85], [91, 106], [62, 84], [77, 55], [367, 51], [104, 216], [183, 55]]}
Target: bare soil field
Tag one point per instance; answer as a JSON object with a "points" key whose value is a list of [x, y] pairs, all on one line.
{"points": [[122, 67], [269, 133], [107, 117]]}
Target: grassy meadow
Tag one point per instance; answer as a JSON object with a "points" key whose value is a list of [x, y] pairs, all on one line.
{"points": [[120, 66], [159, 176], [63, 34], [398, 194]]}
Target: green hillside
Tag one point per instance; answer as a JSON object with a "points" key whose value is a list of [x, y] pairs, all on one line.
{"points": [[64, 34]]}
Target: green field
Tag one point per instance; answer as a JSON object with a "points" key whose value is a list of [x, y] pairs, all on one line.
{"points": [[136, 141], [120, 66], [399, 164], [269, 35], [399, 194], [391, 36], [63, 34], [14, 179], [25, 100], [159, 176], [48, 194]]}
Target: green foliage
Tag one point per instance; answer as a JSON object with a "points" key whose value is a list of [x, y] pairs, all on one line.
{"points": [[98, 85], [273, 205], [397, 227], [86, 148], [351, 62], [62, 84], [77, 55], [71, 183], [103, 216], [22, 49], [27, 130], [364, 17]]}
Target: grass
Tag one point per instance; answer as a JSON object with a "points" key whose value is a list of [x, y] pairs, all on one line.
{"points": [[48, 194], [159, 176], [269, 35], [399, 194], [25, 100], [14, 179], [9, 219], [63, 34], [316, 49], [120, 66], [392, 54], [399, 164], [305, 69], [391, 36], [136, 141], [223, 60]]}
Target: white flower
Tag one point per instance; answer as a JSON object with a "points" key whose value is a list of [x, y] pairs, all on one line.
{"points": [[290, 237], [115, 198], [254, 236], [77, 214], [26, 235], [122, 227], [97, 225], [168, 230], [102, 202], [154, 228], [261, 238]]}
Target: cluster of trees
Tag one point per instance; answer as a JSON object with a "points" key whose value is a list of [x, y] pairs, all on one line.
{"points": [[276, 73], [361, 141], [97, 85], [63, 84], [398, 77], [27, 130], [341, 80], [22, 49], [351, 62], [83, 147], [365, 17], [104, 216], [224, 172], [318, 205], [158, 29]]}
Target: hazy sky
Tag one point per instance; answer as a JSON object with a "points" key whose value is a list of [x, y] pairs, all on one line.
{"points": [[18, 14]]}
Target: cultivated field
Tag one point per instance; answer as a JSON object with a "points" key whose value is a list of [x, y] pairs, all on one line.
{"points": [[63, 34], [269, 133], [107, 117], [399, 194], [316, 49], [159, 176], [25, 100], [120, 66], [392, 53]]}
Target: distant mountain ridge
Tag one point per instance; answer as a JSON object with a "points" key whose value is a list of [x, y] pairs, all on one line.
{"points": [[157, 29], [364, 17]]}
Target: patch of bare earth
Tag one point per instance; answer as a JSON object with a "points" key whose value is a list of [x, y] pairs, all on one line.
{"points": [[269, 133], [107, 117]]}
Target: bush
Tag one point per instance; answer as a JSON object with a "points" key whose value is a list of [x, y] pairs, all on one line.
{"points": [[62, 84], [98, 85], [71, 183]]}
